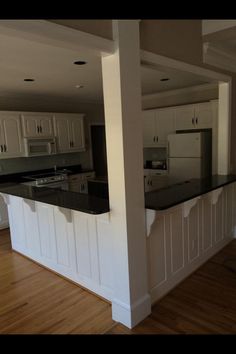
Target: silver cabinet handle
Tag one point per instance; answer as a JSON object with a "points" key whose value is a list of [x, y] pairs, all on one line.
{"points": [[72, 143], [1, 148], [5, 147], [192, 121], [40, 129], [37, 128], [154, 139], [197, 120], [157, 139]]}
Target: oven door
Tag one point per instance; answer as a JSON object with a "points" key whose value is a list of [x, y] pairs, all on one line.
{"points": [[62, 185]]}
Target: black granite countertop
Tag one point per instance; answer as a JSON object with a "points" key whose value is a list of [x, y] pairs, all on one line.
{"points": [[65, 199], [174, 194], [166, 197]]}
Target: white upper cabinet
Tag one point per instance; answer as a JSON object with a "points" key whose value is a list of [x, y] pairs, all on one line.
{"points": [[157, 125], [10, 135], [77, 133], [36, 125], [184, 117], [204, 115], [69, 131], [196, 116], [165, 125], [149, 128]]}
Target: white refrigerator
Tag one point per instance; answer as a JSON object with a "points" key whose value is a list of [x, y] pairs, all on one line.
{"points": [[189, 155]]}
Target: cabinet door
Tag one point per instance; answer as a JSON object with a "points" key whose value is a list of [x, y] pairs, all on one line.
{"points": [[30, 125], [184, 117], [2, 140], [149, 128], [77, 133], [203, 115], [165, 125], [13, 146], [46, 126], [62, 133]]}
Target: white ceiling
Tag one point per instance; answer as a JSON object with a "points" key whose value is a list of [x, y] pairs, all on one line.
{"points": [[56, 76]]}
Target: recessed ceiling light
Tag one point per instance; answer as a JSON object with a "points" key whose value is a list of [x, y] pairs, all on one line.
{"points": [[28, 79], [165, 79], [80, 62], [79, 86]]}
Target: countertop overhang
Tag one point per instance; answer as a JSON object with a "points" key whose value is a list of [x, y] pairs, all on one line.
{"points": [[178, 193], [160, 199], [65, 199]]}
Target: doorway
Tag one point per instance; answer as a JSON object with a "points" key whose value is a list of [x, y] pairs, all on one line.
{"points": [[99, 154]]}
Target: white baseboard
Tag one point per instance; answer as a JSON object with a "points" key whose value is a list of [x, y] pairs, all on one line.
{"points": [[130, 316]]}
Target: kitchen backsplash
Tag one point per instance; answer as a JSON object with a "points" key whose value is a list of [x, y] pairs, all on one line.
{"points": [[22, 164], [154, 154]]}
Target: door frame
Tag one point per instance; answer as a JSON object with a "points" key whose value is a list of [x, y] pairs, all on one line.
{"points": [[90, 140]]}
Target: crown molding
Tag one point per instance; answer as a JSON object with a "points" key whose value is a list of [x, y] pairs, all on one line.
{"points": [[218, 57], [198, 88]]}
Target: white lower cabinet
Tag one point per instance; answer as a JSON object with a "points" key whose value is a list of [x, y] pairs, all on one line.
{"points": [[74, 244], [179, 242]]}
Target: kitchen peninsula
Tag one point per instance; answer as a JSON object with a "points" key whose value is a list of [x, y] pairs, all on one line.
{"points": [[70, 233], [65, 231]]}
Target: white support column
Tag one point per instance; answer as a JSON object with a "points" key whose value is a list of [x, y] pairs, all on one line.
{"points": [[224, 116], [122, 99]]}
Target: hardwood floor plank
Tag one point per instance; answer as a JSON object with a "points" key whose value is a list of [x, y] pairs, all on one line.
{"points": [[34, 300]]}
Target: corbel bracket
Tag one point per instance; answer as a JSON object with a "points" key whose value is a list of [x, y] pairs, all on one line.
{"points": [[188, 205], [150, 218], [6, 198], [66, 213], [31, 204], [214, 195]]}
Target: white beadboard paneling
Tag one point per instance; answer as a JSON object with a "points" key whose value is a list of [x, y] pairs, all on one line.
{"points": [[190, 241], [218, 219], [104, 244], [157, 253], [177, 240], [17, 223], [31, 228], [46, 230], [206, 224], [193, 233], [62, 242], [82, 244]]}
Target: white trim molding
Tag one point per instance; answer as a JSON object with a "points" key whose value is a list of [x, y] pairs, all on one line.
{"points": [[211, 26], [219, 57], [181, 91], [153, 60], [130, 316]]}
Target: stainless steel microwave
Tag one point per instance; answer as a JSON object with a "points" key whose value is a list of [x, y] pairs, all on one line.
{"points": [[39, 147]]}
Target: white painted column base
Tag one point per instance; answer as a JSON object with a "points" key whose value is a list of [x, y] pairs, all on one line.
{"points": [[131, 316]]}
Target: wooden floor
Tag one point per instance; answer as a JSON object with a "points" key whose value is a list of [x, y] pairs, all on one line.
{"points": [[34, 300]]}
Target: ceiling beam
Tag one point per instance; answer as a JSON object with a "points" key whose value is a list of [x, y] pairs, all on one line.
{"points": [[53, 34]]}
